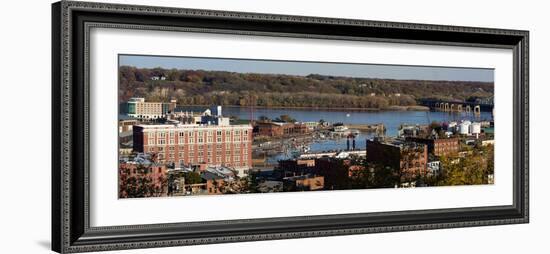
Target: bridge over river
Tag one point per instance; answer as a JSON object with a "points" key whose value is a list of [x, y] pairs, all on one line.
{"points": [[456, 106]]}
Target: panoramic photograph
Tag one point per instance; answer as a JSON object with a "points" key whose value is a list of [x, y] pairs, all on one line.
{"points": [[191, 126]]}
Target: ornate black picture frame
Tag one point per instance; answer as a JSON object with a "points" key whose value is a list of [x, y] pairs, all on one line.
{"points": [[71, 231]]}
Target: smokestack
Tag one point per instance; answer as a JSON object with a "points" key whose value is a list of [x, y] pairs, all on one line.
{"points": [[347, 142], [353, 143], [219, 111]]}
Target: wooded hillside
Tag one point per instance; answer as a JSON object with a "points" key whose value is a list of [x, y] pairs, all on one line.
{"points": [[197, 87]]}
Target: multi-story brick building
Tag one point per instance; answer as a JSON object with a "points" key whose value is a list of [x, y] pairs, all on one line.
{"points": [[197, 144], [408, 157], [439, 146], [139, 180], [139, 108], [278, 129]]}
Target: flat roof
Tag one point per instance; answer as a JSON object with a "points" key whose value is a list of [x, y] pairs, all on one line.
{"points": [[191, 126]]}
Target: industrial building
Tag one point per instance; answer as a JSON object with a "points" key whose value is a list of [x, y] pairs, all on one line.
{"points": [[438, 146], [408, 157], [202, 144]]}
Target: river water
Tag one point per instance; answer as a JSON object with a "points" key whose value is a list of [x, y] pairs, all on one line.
{"points": [[391, 119]]}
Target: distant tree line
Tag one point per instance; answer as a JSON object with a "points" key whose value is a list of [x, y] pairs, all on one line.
{"points": [[198, 87]]}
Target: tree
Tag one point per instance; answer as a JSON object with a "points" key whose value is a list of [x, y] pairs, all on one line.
{"points": [[264, 118], [285, 118], [192, 178], [229, 88], [385, 177], [474, 168]]}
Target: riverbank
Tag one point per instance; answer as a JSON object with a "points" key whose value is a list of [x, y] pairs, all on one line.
{"points": [[389, 108], [407, 108]]}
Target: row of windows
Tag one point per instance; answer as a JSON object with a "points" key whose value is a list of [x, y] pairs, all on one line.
{"points": [[191, 153], [199, 133], [200, 136], [236, 146], [235, 164], [200, 153], [236, 160], [151, 141]]}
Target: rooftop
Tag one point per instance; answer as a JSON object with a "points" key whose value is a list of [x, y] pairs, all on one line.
{"points": [[396, 142], [190, 126]]}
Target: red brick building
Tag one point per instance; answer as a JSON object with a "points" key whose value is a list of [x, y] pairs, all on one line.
{"points": [[439, 146], [269, 129], [304, 183], [409, 158], [276, 129], [197, 144], [137, 180]]}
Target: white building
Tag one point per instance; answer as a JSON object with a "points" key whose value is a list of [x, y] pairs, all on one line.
{"points": [[464, 127], [475, 128], [433, 167]]}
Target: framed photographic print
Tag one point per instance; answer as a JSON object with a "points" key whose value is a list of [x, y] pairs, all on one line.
{"points": [[182, 126]]}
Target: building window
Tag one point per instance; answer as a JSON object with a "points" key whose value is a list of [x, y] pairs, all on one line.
{"points": [[172, 138], [227, 136], [210, 137], [218, 136], [151, 137], [200, 137], [181, 139], [237, 136], [191, 137]]}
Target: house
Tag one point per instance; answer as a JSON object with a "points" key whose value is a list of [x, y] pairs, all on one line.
{"points": [[161, 77]]}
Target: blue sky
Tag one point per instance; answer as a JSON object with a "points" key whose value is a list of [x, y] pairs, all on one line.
{"points": [[306, 68]]}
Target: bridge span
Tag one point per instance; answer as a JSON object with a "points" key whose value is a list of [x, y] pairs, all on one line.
{"points": [[456, 106]]}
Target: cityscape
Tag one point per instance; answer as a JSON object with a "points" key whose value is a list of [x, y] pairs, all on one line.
{"points": [[201, 126]]}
